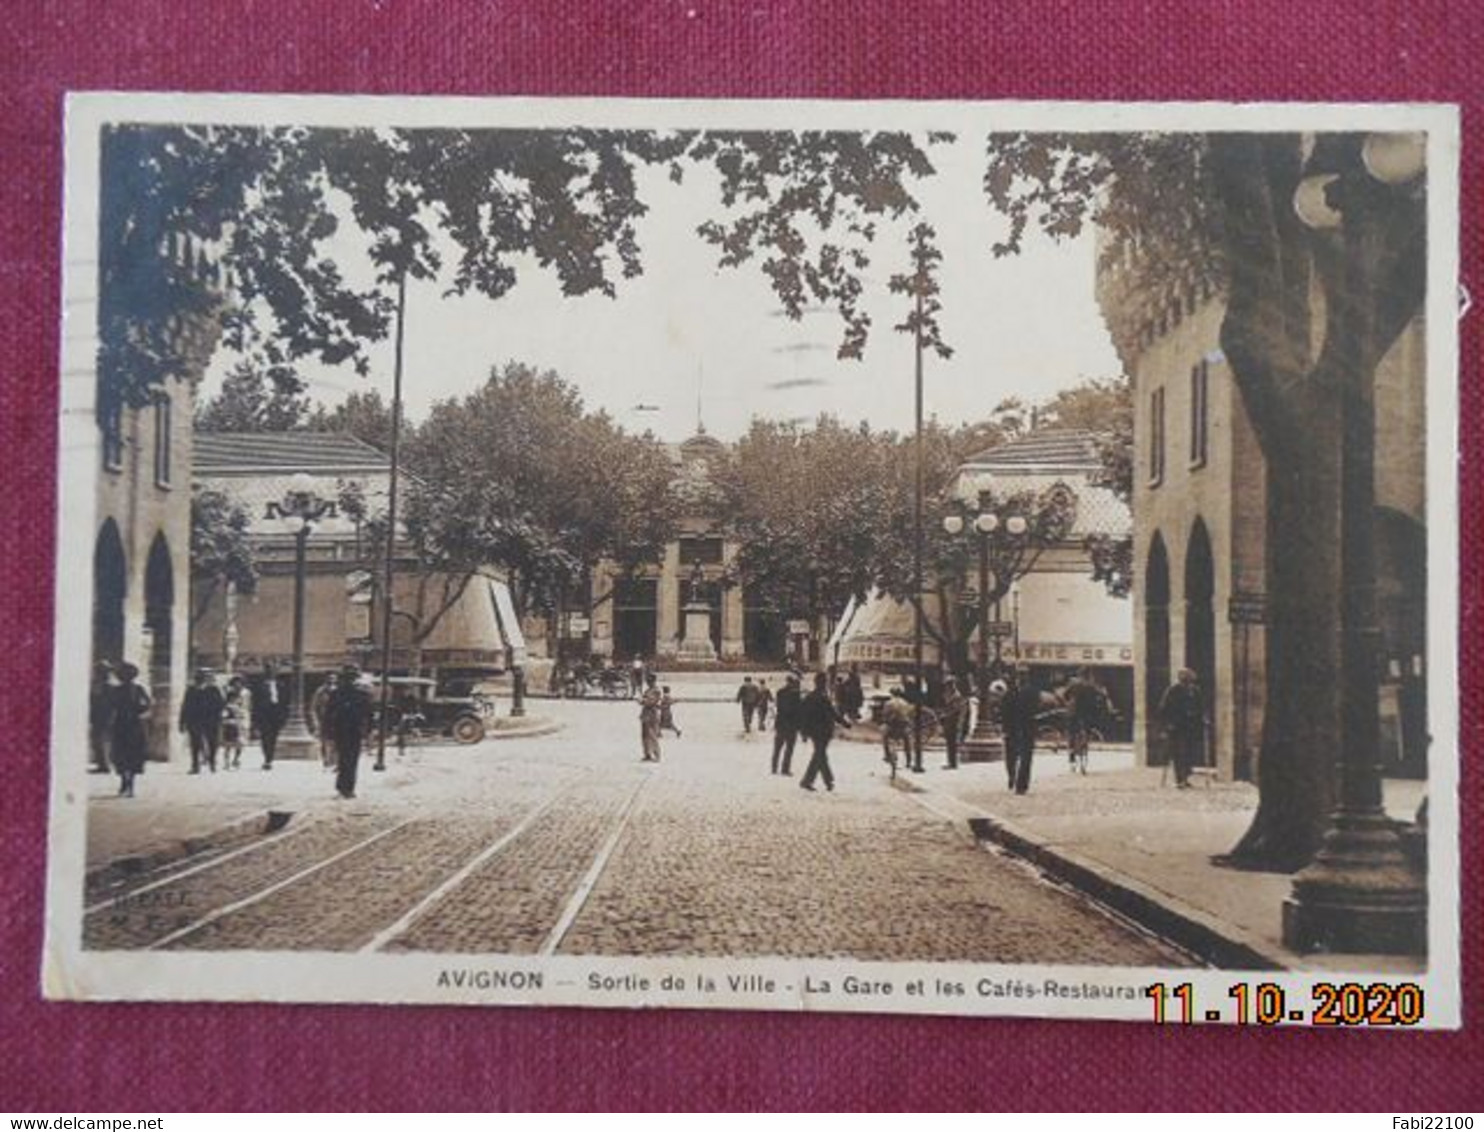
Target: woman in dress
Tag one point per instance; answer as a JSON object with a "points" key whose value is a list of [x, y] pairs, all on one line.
{"points": [[236, 720], [131, 709]]}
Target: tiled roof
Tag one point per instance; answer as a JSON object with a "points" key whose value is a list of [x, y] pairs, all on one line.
{"points": [[1046, 448], [222, 453]]}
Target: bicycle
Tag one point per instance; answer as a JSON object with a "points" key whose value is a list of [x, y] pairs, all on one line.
{"points": [[920, 731], [1079, 738]]}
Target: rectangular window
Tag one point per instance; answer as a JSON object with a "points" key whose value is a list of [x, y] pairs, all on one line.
{"points": [[706, 551], [1199, 381], [111, 424], [162, 440], [1156, 437]]}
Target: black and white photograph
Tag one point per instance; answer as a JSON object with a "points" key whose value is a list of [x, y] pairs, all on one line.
{"points": [[953, 558]]}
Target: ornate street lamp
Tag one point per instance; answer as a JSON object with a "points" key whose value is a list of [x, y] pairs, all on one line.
{"points": [[1364, 197], [1004, 550], [302, 506]]}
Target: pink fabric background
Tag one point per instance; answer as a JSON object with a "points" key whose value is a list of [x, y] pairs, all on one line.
{"points": [[60, 1058]]}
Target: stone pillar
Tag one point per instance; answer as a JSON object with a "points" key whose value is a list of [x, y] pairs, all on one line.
{"points": [[733, 612], [667, 619], [600, 632]]}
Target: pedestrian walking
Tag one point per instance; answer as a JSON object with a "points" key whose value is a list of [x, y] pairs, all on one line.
{"points": [[952, 708], [236, 722], [100, 715], [1182, 713], [348, 718], [898, 727], [747, 696], [1087, 710], [1019, 710], [764, 704], [786, 725], [317, 705], [636, 676], [650, 714], [817, 720], [128, 743], [269, 713], [855, 694], [667, 712], [201, 719]]}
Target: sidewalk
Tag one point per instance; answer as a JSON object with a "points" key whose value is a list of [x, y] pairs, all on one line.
{"points": [[176, 814], [1146, 848]]}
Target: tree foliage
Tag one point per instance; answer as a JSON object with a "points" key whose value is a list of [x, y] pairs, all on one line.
{"points": [[221, 551], [824, 514], [810, 206], [554, 488], [363, 414], [255, 400]]}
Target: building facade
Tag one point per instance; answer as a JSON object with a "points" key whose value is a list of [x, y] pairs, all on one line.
{"points": [[644, 613], [1060, 618], [141, 550], [1200, 533], [476, 638]]}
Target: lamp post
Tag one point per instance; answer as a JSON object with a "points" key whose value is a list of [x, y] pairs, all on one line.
{"points": [[1004, 541], [1364, 198], [300, 502]]}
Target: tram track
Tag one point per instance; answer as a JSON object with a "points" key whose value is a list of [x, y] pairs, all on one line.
{"points": [[238, 905], [507, 902], [423, 883]]}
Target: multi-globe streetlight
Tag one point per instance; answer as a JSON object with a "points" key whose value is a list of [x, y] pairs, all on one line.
{"points": [[1005, 544], [1364, 197], [303, 506]]}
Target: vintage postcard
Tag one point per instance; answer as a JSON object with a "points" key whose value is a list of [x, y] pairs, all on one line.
{"points": [[986, 559]]}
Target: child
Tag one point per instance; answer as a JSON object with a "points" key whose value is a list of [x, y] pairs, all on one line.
{"points": [[667, 712], [235, 722]]}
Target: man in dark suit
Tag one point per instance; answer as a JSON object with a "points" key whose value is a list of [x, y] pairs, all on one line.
{"points": [[817, 719], [201, 718], [1018, 713], [786, 724], [347, 718], [270, 710], [747, 696]]}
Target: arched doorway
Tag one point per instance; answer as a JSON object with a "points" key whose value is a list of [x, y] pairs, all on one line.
{"points": [[110, 587], [1200, 618], [159, 625], [1156, 645]]}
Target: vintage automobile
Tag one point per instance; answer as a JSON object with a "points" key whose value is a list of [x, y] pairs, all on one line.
{"points": [[419, 713]]}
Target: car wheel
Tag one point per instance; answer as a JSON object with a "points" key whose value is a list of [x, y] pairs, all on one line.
{"points": [[468, 729]]}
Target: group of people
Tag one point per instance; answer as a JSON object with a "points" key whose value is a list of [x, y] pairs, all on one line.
{"points": [[219, 721], [796, 714], [656, 716]]}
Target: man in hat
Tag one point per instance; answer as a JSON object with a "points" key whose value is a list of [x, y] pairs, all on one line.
{"points": [[786, 724], [347, 718], [1019, 710], [817, 720], [270, 710], [201, 718], [1182, 711]]}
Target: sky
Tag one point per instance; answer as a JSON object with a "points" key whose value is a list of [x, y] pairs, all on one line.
{"points": [[690, 341]]}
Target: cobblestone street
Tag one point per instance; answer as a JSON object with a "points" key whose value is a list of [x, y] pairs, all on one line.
{"points": [[568, 844]]}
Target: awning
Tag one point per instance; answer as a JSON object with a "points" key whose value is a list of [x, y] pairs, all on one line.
{"points": [[842, 626], [882, 631], [509, 623]]}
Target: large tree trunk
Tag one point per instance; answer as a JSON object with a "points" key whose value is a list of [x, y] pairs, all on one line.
{"points": [[1301, 724], [1267, 341], [1374, 278]]}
